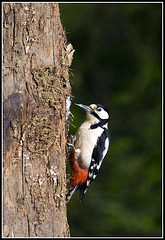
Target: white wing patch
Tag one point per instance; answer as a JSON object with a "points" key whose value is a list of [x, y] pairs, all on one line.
{"points": [[106, 147]]}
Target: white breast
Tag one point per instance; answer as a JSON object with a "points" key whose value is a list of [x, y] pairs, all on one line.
{"points": [[86, 140]]}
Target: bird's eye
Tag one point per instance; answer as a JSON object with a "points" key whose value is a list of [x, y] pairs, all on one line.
{"points": [[99, 109]]}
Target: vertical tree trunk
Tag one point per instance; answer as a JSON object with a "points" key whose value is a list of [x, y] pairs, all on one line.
{"points": [[36, 87]]}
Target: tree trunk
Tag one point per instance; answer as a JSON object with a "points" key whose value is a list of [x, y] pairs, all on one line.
{"points": [[36, 91]]}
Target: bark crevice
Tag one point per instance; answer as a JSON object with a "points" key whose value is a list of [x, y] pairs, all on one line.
{"points": [[35, 89]]}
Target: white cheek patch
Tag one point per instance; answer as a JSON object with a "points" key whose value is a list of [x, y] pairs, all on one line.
{"points": [[103, 114]]}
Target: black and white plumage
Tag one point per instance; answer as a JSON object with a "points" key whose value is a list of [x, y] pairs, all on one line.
{"points": [[90, 147], [98, 155]]}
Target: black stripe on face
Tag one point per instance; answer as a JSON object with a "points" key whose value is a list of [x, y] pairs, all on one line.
{"points": [[95, 115], [101, 122]]}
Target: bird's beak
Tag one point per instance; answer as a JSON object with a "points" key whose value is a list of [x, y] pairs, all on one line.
{"points": [[86, 108]]}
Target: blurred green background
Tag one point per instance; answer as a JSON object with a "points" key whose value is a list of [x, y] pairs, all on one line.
{"points": [[117, 62]]}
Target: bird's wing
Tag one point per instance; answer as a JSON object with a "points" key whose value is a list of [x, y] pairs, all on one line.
{"points": [[98, 155]]}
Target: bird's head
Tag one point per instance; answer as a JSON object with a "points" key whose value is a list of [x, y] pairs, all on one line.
{"points": [[96, 114]]}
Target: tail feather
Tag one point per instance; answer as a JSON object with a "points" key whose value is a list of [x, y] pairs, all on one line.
{"points": [[70, 193], [83, 188]]}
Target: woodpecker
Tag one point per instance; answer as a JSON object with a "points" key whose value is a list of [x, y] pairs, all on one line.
{"points": [[90, 146]]}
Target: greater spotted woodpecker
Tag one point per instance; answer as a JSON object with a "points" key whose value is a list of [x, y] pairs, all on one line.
{"points": [[89, 149]]}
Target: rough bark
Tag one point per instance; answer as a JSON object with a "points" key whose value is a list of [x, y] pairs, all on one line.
{"points": [[36, 60]]}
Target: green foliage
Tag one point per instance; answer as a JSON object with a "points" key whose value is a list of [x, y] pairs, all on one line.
{"points": [[117, 63]]}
